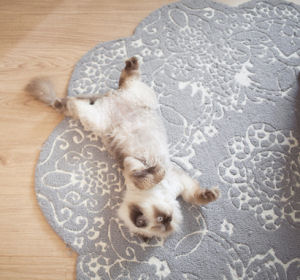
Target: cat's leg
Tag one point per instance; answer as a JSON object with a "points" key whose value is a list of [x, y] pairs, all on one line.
{"points": [[93, 112], [129, 73], [192, 192], [134, 89]]}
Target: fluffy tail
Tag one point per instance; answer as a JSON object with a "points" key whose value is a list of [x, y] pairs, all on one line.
{"points": [[43, 90]]}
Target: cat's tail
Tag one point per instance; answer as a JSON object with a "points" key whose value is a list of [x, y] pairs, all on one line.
{"points": [[42, 89]]}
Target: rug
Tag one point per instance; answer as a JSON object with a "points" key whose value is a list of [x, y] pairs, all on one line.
{"points": [[226, 80]]}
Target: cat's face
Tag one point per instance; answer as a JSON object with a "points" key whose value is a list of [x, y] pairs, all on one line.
{"points": [[151, 221], [151, 216]]}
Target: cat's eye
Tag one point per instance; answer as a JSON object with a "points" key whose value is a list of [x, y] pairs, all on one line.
{"points": [[160, 219]]}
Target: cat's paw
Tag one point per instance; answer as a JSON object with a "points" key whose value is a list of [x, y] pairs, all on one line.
{"points": [[131, 64], [204, 196]]}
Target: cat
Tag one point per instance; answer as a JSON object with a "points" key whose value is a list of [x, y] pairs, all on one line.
{"points": [[132, 131]]}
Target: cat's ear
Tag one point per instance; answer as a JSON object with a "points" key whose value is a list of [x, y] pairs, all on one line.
{"points": [[136, 216]]}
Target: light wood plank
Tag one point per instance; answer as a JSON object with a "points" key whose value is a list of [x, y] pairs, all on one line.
{"points": [[37, 268]]}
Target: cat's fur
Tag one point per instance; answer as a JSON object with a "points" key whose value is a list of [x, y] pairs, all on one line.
{"points": [[130, 128]]}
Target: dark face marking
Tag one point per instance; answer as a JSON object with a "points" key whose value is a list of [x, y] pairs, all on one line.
{"points": [[162, 218], [137, 216]]}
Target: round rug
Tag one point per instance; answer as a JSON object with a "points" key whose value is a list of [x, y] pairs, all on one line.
{"points": [[226, 80]]}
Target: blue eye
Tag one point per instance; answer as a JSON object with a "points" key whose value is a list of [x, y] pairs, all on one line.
{"points": [[160, 219]]}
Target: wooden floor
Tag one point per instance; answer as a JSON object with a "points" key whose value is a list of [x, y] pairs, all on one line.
{"points": [[44, 37]]}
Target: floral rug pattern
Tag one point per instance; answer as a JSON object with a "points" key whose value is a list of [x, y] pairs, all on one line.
{"points": [[226, 80]]}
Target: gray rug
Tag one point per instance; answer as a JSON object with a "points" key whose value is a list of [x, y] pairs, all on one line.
{"points": [[226, 83]]}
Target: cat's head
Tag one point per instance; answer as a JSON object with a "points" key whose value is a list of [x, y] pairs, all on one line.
{"points": [[149, 214]]}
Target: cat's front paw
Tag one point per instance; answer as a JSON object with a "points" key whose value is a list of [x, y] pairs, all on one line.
{"points": [[204, 196]]}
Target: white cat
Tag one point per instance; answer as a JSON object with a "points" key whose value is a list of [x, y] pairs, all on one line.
{"points": [[127, 121]]}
